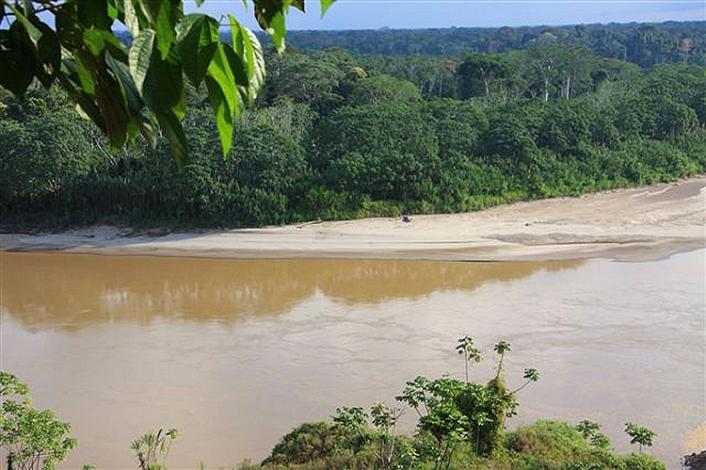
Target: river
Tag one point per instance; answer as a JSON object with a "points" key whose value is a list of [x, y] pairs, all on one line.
{"points": [[234, 353]]}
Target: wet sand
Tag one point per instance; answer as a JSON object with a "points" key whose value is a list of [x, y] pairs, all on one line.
{"points": [[634, 224]]}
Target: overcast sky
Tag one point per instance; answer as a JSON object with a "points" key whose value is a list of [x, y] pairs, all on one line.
{"points": [[366, 14]]}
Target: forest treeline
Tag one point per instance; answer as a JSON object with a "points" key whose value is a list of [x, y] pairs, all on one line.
{"points": [[639, 43], [341, 135]]}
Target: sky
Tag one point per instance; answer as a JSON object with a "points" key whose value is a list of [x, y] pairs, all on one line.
{"points": [[373, 14]]}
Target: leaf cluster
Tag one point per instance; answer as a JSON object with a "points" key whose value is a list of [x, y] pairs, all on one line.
{"points": [[31, 439], [139, 89]]}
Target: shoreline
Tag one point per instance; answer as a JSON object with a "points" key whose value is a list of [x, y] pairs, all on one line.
{"points": [[636, 224]]}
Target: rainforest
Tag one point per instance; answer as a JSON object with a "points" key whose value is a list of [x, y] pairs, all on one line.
{"points": [[338, 134]]}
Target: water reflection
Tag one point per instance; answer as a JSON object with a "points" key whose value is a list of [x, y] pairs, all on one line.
{"points": [[48, 290], [236, 353]]}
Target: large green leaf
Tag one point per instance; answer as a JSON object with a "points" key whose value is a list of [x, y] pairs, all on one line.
{"points": [[180, 107], [16, 62], [173, 132], [40, 41], [140, 56], [325, 4], [270, 16], [165, 23], [197, 42], [121, 98], [238, 67], [113, 107], [248, 48], [93, 14], [98, 40], [122, 75], [49, 51], [29, 28], [113, 10], [85, 68], [67, 26], [86, 105], [221, 71], [149, 9], [163, 87], [223, 115], [131, 20]]}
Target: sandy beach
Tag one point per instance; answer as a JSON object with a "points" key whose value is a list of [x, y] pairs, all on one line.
{"points": [[633, 224]]}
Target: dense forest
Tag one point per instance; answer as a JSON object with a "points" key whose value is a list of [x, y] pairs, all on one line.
{"points": [[336, 134], [642, 44]]}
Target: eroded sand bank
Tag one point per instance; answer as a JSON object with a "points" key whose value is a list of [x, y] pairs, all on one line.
{"points": [[633, 224]]}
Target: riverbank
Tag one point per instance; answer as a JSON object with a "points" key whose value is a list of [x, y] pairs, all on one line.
{"points": [[633, 224]]}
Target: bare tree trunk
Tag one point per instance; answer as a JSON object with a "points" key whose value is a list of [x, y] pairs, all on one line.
{"points": [[546, 89], [466, 363]]}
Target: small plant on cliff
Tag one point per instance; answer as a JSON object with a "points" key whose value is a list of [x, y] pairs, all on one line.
{"points": [[591, 432], [152, 449], [466, 347], [385, 420], [640, 435]]}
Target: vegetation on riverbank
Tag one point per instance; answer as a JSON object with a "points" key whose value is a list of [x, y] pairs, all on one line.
{"points": [[461, 424], [337, 135]]}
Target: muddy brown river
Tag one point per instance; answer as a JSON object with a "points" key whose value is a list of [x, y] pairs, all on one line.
{"points": [[235, 353]]}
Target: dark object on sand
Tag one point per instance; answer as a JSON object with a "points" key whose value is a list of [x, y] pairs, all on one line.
{"points": [[695, 461], [406, 218]]}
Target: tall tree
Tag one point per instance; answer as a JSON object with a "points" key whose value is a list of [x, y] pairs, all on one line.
{"points": [[478, 72]]}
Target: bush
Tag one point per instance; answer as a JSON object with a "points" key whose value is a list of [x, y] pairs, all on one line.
{"points": [[642, 462]]}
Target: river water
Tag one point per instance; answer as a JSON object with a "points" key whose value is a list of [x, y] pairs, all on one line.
{"points": [[235, 353]]}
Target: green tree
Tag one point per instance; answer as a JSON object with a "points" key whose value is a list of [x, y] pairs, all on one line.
{"points": [[384, 419], [479, 73], [386, 150], [639, 435], [31, 439], [305, 79], [379, 88], [452, 411], [439, 417], [591, 432], [44, 156]]}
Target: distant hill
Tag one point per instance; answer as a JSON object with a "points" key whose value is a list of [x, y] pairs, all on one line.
{"points": [[644, 44], [641, 43]]}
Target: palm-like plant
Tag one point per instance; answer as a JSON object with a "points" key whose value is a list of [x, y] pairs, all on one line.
{"points": [[153, 448], [501, 348], [530, 375], [469, 351]]}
